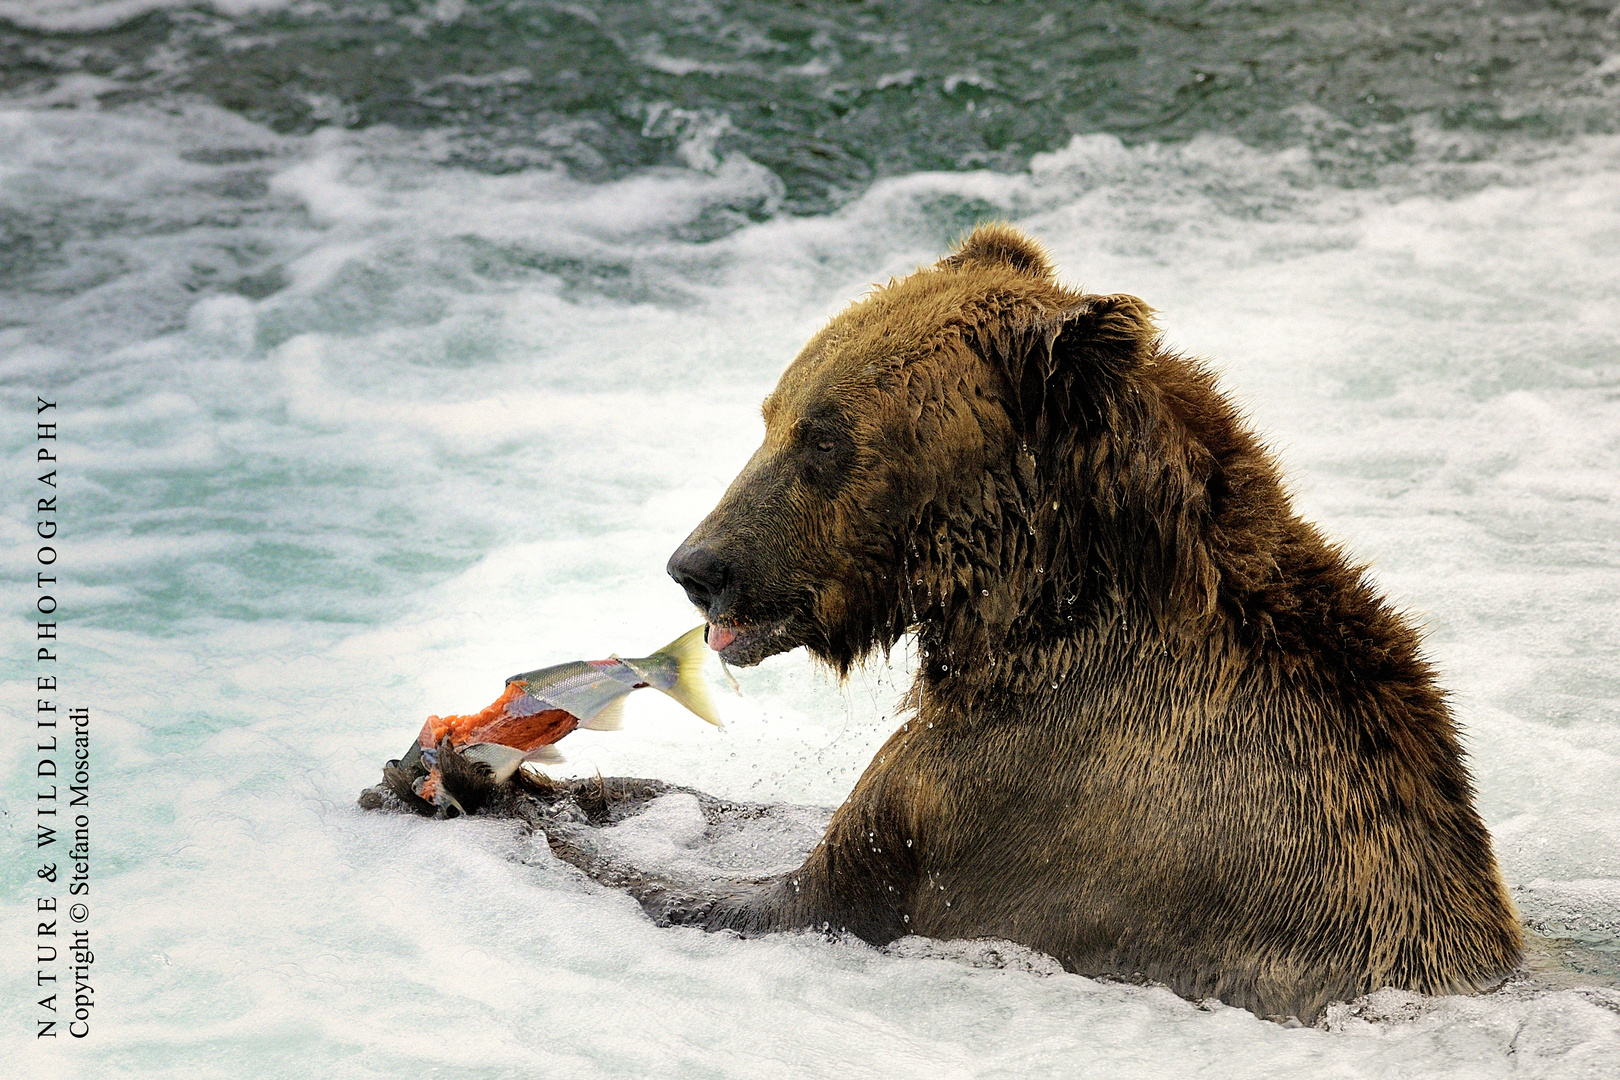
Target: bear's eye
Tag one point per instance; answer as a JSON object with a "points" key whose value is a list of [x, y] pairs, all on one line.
{"points": [[816, 434], [825, 450]]}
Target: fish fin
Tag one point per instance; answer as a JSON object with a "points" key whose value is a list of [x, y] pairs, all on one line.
{"points": [[690, 653], [502, 760], [411, 757], [611, 718], [545, 755], [403, 783]]}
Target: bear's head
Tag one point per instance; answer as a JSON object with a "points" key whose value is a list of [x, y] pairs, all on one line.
{"points": [[917, 459]]}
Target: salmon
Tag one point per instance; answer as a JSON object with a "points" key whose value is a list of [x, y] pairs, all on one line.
{"points": [[457, 762]]}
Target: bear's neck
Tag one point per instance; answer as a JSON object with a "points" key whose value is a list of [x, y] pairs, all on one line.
{"points": [[1164, 530]]}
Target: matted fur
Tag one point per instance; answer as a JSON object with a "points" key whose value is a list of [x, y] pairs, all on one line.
{"points": [[1162, 728]]}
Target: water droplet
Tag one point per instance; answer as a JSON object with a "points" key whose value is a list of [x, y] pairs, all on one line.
{"points": [[908, 842], [984, 592]]}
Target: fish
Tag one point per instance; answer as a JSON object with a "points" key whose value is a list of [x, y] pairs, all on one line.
{"points": [[458, 762]]}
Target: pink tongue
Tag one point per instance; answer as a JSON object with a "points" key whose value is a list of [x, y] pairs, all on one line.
{"points": [[720, 636]]}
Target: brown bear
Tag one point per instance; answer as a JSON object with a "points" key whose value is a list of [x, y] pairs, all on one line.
{"points": [[1162, 729]]}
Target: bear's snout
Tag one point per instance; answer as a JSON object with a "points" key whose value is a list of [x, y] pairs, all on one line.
{"points": [[705, 576]]}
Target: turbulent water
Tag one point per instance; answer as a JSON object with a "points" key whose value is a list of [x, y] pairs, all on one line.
{"points": [[396, 345]]}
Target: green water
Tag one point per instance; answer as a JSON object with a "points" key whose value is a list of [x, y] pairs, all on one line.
{"points": [[830, 96]]}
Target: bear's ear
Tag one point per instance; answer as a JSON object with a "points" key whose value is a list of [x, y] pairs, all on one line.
{"points": [[1000, 245], [1113, 332], [1065, 363]]}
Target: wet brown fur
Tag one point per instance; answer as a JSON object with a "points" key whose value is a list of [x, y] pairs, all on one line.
{"points": [[1162, 729]]}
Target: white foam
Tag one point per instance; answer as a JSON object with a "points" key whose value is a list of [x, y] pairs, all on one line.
{"points": [[462, 441], [59, 16]]}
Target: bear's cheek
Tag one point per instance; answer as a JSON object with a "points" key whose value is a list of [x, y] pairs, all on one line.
{"points": [[831, 610]]}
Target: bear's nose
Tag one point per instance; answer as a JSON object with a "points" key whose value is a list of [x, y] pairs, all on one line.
{"points": [[704, 575]]}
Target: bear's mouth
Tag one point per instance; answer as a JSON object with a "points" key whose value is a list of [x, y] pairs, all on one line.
{"points": [[746, 644]]}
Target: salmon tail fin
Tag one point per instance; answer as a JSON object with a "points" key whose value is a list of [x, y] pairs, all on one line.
{"points": [[690, 653], [610, 718], [545, 755], [502, 760]]}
